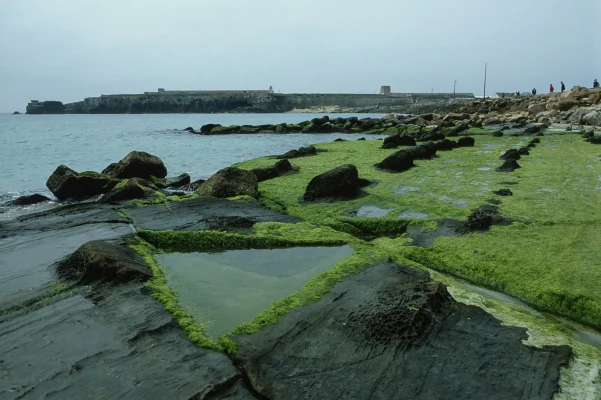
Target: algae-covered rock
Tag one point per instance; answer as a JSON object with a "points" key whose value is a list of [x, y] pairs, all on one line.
{"points": [[511, 154], [400, 161], [134, 188], [65, 183], [342, 181], [137, 164], [173, 182], [396, 140], [445, 144], [503, 192], [509, 166], [466, 141], [230, 182], [207, 128], [274, 171], [103, 261]]}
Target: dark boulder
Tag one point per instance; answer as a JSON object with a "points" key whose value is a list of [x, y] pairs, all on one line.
{"points": [[534, 129], [301, 152], [503, 192], [497, 134], [30, 199], [230, 182], [393, 141], [133, 188], [325, 128], [424, 151], [367, 124], [457, 130], [342, 181], [511, 154], [466, 141], [103, 261], [399, 161], [65, 183], [535, 140], [509, 166], [208, 128], [274, 171], [190, 129], [362, 138], [432, 136], [481, 218], [595, 139], [173, 182], [524, 151], [16, 113], [192, 186], [137, 164], [339, 140], [445, 144]]}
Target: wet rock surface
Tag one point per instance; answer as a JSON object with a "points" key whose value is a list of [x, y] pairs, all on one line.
{"points": [[104, 340], [281, 167], [390, 332], [30, 200], [134, 188]]}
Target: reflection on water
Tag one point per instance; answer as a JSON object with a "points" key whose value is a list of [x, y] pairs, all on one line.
{"points": [[226, 289]]}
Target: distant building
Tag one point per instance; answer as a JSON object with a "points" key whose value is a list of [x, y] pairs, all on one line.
{"points": [[385, 90]]}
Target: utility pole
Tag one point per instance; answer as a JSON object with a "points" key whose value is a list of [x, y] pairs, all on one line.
{"points": [[454, 85], [485, 67]]}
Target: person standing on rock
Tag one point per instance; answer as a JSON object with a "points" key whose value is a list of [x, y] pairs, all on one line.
{"points": [[595, 84], [551, 88], [563, 87], [534, 91]]}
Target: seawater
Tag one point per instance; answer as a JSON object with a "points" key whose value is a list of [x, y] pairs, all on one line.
{"points": [[32, 146]]}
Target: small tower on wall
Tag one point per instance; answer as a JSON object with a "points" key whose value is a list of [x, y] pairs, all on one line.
{"points": [[270, 89], [385, 90]]}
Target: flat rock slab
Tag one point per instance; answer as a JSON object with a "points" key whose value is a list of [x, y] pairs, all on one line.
{"points": [[114, 343], [204, 213], [375, 336]]}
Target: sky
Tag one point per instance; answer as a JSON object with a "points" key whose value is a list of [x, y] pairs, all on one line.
{"points": [[68, 50]]}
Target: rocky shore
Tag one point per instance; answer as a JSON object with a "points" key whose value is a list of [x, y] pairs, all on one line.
{"points": [[495, 194]]}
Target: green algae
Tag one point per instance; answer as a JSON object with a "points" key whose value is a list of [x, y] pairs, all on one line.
{"points": [[546, 259]]}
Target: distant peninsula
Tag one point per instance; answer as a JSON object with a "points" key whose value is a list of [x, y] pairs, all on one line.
{"points": [[242, 101]]}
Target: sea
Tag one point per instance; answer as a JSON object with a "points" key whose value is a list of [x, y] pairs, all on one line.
{"points": [[32, 146]]}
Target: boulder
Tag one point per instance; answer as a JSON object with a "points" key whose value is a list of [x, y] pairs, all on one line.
{"points": [[173, 182], [342, 181], [190, 129], [431, 136], [400, 161], [497, 134], [509, 166], [137, 164], [534, 129], [325, 128], [466, 141], [65, 183], [424, 151], [511, 154], [457, 130], [481, 218], [208, 128], [192, 186], [503, 192], [30, 199], [566, 104], [274, 171], [534, 109], [445, 144], [393, 141], [592, 118], [102, 261], [129, 189], [230, 182]]}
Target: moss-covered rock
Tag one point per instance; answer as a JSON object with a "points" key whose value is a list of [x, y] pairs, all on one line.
{"points": [[230, 182]]}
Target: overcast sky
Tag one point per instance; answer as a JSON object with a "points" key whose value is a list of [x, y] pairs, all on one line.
{"points": [[71, 49]]}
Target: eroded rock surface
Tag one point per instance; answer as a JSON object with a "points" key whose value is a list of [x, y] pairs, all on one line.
{"points": [[392, 333]]}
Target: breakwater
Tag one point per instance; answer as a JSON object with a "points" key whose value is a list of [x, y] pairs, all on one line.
{"points": [[226, 102]]}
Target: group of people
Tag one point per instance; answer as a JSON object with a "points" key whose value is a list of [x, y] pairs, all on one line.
{"points": [[563, 87]]}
